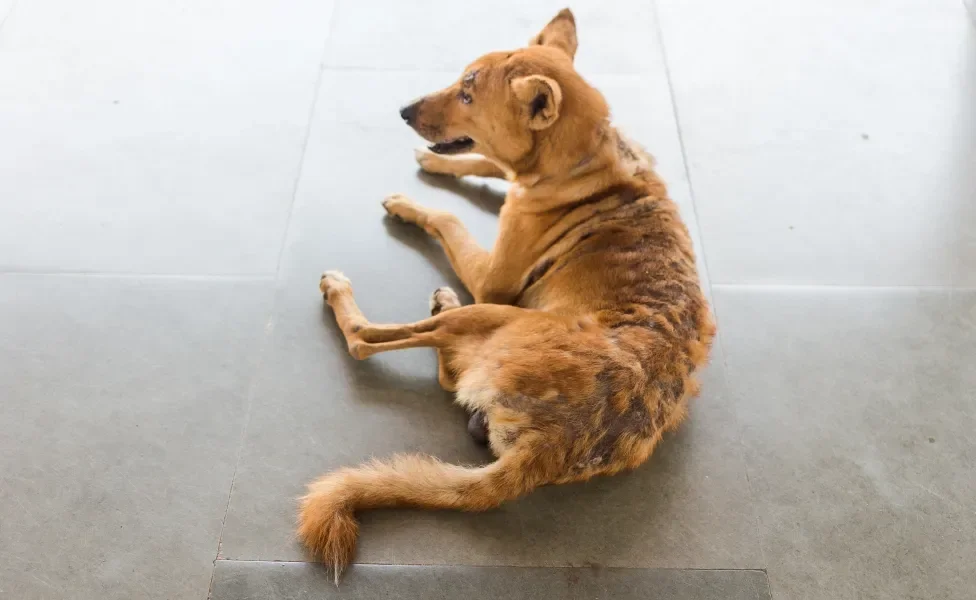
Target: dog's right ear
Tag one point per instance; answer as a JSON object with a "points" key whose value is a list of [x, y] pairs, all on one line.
{"points": [[541, 98], [559, 33]]}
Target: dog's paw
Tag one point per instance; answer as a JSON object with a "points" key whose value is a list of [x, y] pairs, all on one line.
{"points": [[442, 299], [334, 281], [404, 209], [428, 161]]}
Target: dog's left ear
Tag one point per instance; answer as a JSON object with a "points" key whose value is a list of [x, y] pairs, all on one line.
{"points": [[559, 33], [540, 97]]}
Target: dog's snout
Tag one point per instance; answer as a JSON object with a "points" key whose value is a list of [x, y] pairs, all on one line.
{"points": [[409, 113]]}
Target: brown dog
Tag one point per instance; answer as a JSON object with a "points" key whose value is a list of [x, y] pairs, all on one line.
{"points": [[589, 321]]}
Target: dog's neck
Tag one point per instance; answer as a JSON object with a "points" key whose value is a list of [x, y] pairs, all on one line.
{"points": [[568, 176]]}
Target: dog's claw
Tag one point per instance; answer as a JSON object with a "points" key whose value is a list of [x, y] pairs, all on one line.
{"points": [[389, 211], [388, 207], [333, 280]]}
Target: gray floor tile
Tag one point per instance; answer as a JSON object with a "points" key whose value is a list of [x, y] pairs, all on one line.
{"points": [[122, 411], [440, 34], [829, 142], [163, 138], [857, 419], [317, 409], [299, 581]]}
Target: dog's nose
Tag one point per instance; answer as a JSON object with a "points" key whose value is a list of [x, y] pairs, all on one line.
{"points": [[409, 113]]}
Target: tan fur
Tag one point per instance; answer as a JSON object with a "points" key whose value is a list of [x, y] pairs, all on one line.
{"points": [[589, 320]]}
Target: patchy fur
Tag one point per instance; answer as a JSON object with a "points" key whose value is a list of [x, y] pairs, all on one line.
{"points": [[589, 320]]}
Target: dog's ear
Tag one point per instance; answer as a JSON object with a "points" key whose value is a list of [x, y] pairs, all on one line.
{"points": [[540, 97], [559, 33]]}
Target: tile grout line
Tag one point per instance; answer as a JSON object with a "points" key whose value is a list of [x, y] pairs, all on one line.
{"points": [[442, 70], [378, 69], [121, 275], [740, 440], [240, 447], [308, 135], [839, 287], [3, 21], [681, 138], [769, 586], [451, 566], [711, 287], [269, 326]]}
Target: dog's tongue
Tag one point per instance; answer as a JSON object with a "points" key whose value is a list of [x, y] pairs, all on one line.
{"points": [[457, 145]]}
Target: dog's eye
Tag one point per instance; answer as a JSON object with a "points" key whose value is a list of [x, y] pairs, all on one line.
{"points": [[465, 97]]}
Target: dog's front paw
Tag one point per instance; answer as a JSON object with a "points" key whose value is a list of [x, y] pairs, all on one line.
{"points": [[429, 162], [333, 282], [400, 207], [442, 299]]}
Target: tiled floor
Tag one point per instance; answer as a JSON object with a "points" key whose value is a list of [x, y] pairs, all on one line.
{"points": [[175, 175]]}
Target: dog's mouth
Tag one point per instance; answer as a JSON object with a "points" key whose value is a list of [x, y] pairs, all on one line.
{"points": [[455, 146]]}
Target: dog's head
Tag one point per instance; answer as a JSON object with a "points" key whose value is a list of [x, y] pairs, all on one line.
{"points": [[515, 107]]}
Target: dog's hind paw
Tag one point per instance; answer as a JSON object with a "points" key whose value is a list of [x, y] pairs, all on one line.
{"points": [[334, 281], [442, 299]]}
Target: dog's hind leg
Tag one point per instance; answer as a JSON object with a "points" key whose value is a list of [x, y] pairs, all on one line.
{"points": [[458, 165], [441, 300]]}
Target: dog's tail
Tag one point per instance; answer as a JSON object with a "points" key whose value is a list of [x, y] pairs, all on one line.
{"points": [[328, 527]]}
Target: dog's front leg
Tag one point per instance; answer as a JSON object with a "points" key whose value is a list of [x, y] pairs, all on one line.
{"points": [[459, 165], [469, 260]]}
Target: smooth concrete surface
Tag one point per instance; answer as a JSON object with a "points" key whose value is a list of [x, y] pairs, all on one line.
{"points": [[829, 142], [174, 177], [857, 412], [121, 415], [256, 580]]}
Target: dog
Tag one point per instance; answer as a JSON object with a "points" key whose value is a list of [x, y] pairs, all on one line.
{"points": [[589, 321]]}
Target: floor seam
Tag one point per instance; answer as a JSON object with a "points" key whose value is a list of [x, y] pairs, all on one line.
{"points": [[240, 447], [839, 286], [659, 29], [450, 72], [269, 326], [445, 565], [120, 275], [739, 438], [308, 135], [10, 11], [681, 138]]}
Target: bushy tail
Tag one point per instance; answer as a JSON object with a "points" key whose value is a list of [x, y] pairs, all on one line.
{"points": [[327, 524]]}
